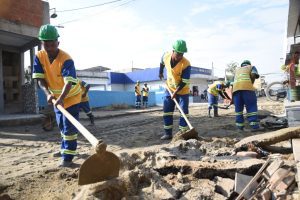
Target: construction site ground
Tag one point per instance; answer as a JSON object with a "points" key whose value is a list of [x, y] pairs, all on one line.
{"points": [[28, 167]]}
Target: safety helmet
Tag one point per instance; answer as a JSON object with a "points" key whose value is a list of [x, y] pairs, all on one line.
{"points": [[245, 62], [180, 46], [48, 32], [145, 83], [137, 81]]}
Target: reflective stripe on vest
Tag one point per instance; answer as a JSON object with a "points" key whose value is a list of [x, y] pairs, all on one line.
{"points": [[242, 80], [174, 74]]}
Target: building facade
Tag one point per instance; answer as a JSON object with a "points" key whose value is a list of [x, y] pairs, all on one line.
{"points": [[19, 25]]}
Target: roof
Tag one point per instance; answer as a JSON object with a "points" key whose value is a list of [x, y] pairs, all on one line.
{"points": [[96, 69], [147, 75], [294, 11]]}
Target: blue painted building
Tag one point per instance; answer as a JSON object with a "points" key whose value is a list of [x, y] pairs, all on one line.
{"points": [[126, 81], [114, 88]]}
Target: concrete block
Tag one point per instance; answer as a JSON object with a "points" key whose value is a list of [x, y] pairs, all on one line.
{"points": [[241, 182], [277, 177], [296, 149], [224, 186], [273, 167]]}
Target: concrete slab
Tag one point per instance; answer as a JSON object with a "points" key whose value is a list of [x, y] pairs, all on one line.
{"points": [[241, 182]]}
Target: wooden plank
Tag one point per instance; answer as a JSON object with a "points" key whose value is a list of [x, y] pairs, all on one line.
{"points": [[296, 149]]}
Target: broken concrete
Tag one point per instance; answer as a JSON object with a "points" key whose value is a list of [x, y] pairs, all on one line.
{"points": [[271, 137]]}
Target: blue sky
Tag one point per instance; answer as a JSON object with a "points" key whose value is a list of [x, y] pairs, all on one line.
{"points": [[142, 30]]}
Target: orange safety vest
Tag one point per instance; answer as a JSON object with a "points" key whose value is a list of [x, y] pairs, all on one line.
{"points": [[54, 79], [83, 90]]}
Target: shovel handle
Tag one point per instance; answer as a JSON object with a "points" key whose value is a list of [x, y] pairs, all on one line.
{"points": [[92, 139], [180, 109]]}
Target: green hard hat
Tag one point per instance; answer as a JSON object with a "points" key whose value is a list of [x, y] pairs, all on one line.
{"points": [[180, 46], [245, 62], [48, 32]]}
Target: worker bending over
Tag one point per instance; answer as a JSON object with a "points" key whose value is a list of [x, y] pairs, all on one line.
{"points": [[214, 90]]}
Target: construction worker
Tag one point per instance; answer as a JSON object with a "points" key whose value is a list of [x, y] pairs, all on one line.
{"points": [[178, 78], [137, 95], [55, 71], [244, 95], [84, 105], [218, 87], [145, 91]]}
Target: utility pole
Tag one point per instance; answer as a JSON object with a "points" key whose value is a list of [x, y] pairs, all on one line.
{"points": [[212, 70]]}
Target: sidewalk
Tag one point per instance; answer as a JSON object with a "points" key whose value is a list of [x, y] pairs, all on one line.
{"points": [[19, 119]]}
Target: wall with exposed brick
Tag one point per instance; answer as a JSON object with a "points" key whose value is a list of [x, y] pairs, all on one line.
{"points": [[29, 12]]}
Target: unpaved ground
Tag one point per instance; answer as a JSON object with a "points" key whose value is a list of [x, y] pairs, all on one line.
{"points": [[28, 169]]}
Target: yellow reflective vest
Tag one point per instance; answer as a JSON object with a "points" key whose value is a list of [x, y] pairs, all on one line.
{"points": [[242, 79], [55, 80], [174, 74], [145, 91], [213, 88]]}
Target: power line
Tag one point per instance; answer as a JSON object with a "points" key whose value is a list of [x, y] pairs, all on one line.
{"points": [[97, 5], [85, 17]]}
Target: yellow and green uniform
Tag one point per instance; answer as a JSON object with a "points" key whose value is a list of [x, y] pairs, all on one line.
{"points": [[178, 76], [137, 95], [213, 94], [244, 96], [56, 74], [145, 96], [83, 86]]}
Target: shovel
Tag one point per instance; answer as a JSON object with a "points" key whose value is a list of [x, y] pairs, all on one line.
{"points": [[192, 133], [102, 165]]}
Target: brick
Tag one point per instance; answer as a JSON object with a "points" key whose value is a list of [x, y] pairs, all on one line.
{"points": [[273, 167], [286, 182], [278, 176]]}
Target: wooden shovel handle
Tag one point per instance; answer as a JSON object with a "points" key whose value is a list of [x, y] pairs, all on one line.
{"points": [[180, 109], [92, 139]]}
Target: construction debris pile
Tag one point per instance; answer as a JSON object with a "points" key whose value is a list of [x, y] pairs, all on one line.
{"points": [[200, 169]]}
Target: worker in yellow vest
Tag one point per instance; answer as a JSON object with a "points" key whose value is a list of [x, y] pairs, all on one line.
{"points": [[137, 91], [85, 105], [55, 71], [218, 87], [178, 79], [145, 92], [244, 95]]}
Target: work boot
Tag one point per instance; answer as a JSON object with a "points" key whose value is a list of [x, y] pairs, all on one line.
{"points": [[91, 116], [166, 137], [216, 113], [209, 115], [65, 163]]}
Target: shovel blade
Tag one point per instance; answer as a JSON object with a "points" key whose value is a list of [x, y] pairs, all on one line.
{"points": [[99, 167], [190, 134]]}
